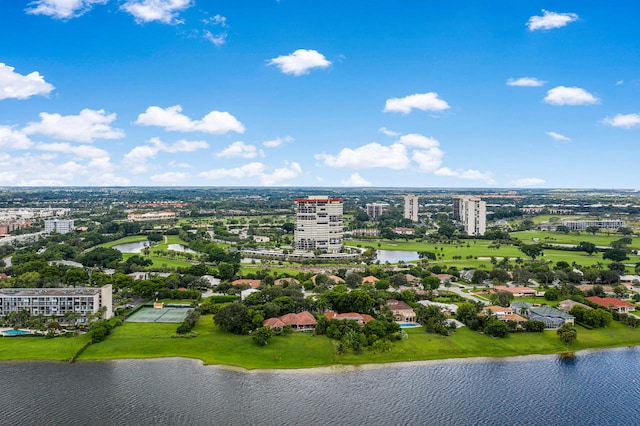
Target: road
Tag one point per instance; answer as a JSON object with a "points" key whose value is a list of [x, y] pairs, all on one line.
{"points": [[457, 290]]}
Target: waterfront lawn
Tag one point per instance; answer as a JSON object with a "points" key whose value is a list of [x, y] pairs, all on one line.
{"points": [[303, 350], [40, 348]]}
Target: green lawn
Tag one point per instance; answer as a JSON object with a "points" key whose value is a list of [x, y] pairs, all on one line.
{"points": [[130, 239], [301, 350], [599, 239], [39, 348]]}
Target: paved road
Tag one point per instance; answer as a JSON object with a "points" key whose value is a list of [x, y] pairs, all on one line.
{"points": [[457, 290]]}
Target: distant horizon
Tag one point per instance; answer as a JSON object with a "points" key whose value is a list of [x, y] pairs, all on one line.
{"points": [[277, 93]]}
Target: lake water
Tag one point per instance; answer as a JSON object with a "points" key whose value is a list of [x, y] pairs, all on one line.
{"points": [[598, 388], [132, 247], [181, 248], [393, 256]]}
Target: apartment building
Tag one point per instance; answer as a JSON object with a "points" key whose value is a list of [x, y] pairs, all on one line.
{"points": [[411, 207], [375, 210], [55, 302], [319, 224], [471, 213], [61, 226]]}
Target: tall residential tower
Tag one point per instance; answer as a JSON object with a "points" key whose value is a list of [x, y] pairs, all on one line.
{"points": [[471, 213], [411, 207], [318, 224]]}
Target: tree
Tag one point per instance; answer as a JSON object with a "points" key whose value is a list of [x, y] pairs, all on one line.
{"points": [[430, 282], [353, 280], [101, 257], [479, 276], [261, 336], [625, 230], [586, 247], [617, 267], [551, 294], [562, 229], [288, 227], [593, 230], [567, 333], [155, 237], [502, 298], [496, 328], [234, 318], [615, 255], [532, 250]]}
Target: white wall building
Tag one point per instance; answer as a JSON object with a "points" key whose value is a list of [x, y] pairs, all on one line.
{"points": [[411, 207], [374, 210], [61, 226], [318, 224], [581, 225], [471, 212], [55, 302]]}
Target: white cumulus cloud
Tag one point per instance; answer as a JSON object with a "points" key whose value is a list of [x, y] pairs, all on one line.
{"points": [[563, 95], [289, 171], [300, 62], [17, 86], [245, 171], [525, 82], [368, 156], [623, 120], [136, 159], [355, 180], [422, 101], [164, 11], [274, 143], [171, 177], [81, 151], [171, 118], [62, 9], [528, 182], [88, 126], [388, 132], [13, 140], [470, 174], [216, 39], [558, 136], [550, 20], [239, 150]]}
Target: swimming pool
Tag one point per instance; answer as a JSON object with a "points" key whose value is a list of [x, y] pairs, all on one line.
{"points": [[409, 325], [15, 332]]}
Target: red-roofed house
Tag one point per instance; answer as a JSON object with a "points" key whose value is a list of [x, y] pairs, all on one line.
{"points": [[401, 311], [517, 291], [304, 321], [503, 314], [370, 279], [252, 283], [611, 303], [361, 319]]}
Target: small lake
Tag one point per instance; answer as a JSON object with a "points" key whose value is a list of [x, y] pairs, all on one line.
{"points": [[182, 249], [595, 388], [132, 247], [394, 256]]}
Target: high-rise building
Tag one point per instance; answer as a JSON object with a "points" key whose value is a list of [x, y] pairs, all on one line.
{"points": [[411, 207], [318, 224], [374, 210], [60, 226], [471, 212]]}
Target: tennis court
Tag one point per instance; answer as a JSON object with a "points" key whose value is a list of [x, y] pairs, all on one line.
{"points": [[166, 315]]}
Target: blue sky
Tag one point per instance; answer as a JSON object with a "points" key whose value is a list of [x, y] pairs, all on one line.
{"points": [[411, 93]]}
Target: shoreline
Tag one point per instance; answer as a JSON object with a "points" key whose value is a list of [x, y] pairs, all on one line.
{"points": [[348, 368]]}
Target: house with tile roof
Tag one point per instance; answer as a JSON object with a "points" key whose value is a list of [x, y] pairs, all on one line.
{"points": [[567, 305], [551, 317], [361, 319], [401, 311], [303, 321], [612, 304], [246, 281], [503, 314]]}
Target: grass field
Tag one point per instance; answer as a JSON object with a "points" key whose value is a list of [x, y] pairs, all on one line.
{"points": [[571, 238], [301, 350], [39, 348], [130, 239]]}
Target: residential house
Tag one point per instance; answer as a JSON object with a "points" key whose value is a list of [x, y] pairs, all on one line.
{"points": [[551, 317], [518, 291], [245, 281], [304, 321], [401, 311], [361, 319], [613, 304], [370, 279], [446, 308], [503, 314], [567, 305]]}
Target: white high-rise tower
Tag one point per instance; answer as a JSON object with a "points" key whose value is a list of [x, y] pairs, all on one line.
{"points": [[318, 224]]}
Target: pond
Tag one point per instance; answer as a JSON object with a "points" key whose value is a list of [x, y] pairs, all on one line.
{"points": [[181, 248], [394, 256], [132, 247]]}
